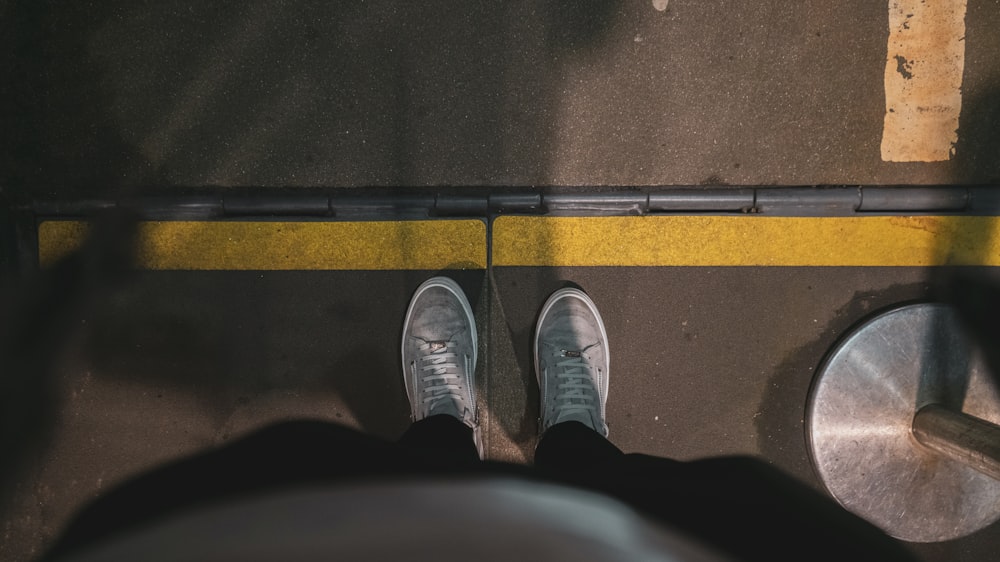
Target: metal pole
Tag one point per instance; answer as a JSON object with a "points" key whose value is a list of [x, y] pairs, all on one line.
{"points": [[966, 439]]}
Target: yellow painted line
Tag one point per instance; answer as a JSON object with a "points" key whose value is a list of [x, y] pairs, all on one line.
{"points": [[925, 60], [746, 241], [445, 244]]}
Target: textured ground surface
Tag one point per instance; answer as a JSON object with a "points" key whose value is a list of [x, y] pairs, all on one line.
{"points": [[110, 96]]}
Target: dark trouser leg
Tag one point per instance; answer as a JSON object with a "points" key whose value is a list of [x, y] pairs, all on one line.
{"points": [[740, 505], [283, 455], [441, 440], [572, 447]]}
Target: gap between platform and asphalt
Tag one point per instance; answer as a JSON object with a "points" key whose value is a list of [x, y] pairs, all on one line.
{"points": [[910, 241]]}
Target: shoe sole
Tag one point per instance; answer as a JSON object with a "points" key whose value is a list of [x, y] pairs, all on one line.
{"points": [[570, 292]]}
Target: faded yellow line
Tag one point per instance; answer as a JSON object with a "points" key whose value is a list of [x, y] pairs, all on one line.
{"points": [[925, 61], [445, 244], [746, 241]]}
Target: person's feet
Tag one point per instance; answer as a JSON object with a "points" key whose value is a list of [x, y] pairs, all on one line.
{"points": [[572, 361], [439, 353]]}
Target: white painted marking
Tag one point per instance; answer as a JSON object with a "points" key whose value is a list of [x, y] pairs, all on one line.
{"points": [[923, 80], [660, 5]]}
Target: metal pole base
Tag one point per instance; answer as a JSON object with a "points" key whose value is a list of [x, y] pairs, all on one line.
{"points": [[860, 418]]}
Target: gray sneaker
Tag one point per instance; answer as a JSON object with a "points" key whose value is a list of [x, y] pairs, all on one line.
{"points": [[572, 361], [439, 354]]}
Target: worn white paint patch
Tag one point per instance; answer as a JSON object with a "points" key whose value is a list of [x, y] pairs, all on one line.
{"points": [[923, 80], [660, 5]]}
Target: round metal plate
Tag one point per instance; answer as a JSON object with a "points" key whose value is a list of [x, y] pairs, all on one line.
{"points": [[860, 415]]}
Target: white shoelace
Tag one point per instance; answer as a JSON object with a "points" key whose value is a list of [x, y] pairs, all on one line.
{"points": [[439, 369], [578, 392]]}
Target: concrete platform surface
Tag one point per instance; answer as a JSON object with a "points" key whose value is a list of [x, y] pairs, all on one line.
{"points": [[706, 361]]}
